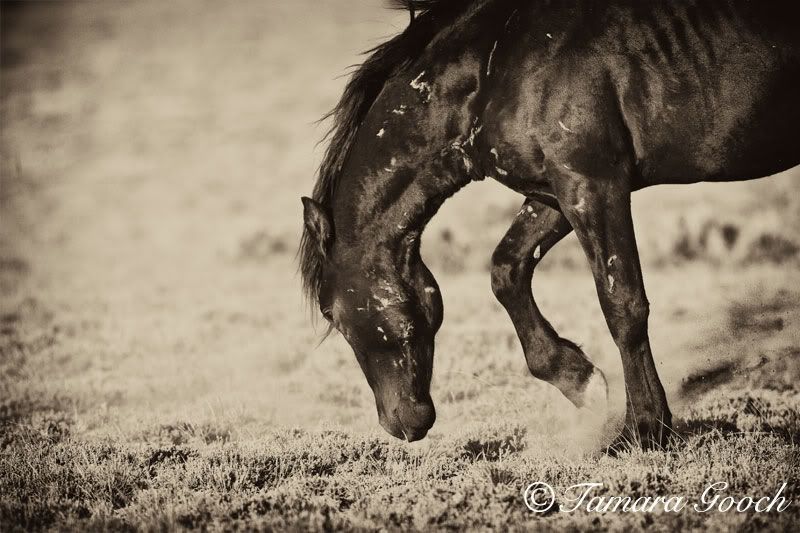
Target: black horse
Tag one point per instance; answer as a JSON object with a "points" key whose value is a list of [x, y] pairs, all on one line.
{"points": [[572, 103]]}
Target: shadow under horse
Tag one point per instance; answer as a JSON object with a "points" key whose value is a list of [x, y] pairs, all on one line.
{"points": [[574, 105]]}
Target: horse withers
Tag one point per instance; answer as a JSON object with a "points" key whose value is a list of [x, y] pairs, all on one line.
{"points": [[574, 105]]}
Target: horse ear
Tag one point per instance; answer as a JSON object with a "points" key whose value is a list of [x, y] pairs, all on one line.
{"points": [[318, 223]]}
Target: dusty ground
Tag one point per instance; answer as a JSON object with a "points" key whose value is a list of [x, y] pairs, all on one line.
{"points": [[157, 364]]}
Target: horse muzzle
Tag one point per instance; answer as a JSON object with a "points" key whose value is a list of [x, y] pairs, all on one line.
{"points": [[408, 419]]}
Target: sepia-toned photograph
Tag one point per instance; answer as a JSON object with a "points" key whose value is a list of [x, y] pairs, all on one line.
{"points": [[399, 265]]}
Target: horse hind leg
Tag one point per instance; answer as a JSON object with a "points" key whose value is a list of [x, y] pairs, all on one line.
{"points": [[600, 214], [535, 230]]}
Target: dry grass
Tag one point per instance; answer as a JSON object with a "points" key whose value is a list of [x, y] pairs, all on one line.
{"points": [[158, 368], [293, 478]]}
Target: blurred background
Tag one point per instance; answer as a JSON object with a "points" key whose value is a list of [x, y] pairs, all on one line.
{"points": [[152, 159]]}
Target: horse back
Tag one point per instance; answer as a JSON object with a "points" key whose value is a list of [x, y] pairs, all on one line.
{"points": [[687, 91], [707, 89]]}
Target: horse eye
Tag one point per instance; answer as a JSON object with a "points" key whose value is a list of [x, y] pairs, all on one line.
{"points": [[327, 314]]}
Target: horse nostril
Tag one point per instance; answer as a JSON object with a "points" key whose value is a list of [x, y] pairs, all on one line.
{"points": [[416, 417]]}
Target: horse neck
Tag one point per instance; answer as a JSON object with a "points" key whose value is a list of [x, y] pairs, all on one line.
{"points": [[386, 213]]}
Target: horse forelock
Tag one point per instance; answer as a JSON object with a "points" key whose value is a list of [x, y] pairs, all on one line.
{"points": [[359, 94]]}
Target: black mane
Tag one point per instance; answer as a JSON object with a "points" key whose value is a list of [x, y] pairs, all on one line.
{"points": [[360, 92]]}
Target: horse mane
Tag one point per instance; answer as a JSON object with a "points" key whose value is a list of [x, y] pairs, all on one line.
{"points": [[364, 86]]}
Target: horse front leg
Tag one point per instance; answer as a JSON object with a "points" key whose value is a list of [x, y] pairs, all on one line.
{"points": [[599, 211], [535, 230]]}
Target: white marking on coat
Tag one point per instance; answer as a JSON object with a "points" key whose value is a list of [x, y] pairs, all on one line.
{"points": [[564, 127], [430, 290], [566, 166], [529, 209], [489, 63], [387, 286], [350, 290], [384, 302], [508, 20], [493, 151], [381, 132], [611, 260], [408, 330], [386, 339], [393, 161], [422, 86], [464, 157], [501, 171], [579, 207], [400, 110], [472, 133], [549, 35], [537, 253], [379, 329], [402, 226], [610, 283]]}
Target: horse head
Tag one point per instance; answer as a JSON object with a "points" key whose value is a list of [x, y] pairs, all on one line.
{"points": [[387, 305]]}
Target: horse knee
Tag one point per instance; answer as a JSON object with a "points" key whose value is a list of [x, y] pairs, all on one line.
{"points": [[508, 275], [630, 327]]}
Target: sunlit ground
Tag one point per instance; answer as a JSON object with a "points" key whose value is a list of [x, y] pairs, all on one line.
{"points": [[158, 366]]}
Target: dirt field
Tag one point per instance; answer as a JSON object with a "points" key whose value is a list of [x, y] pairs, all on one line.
{"points": [[158, 368]]}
